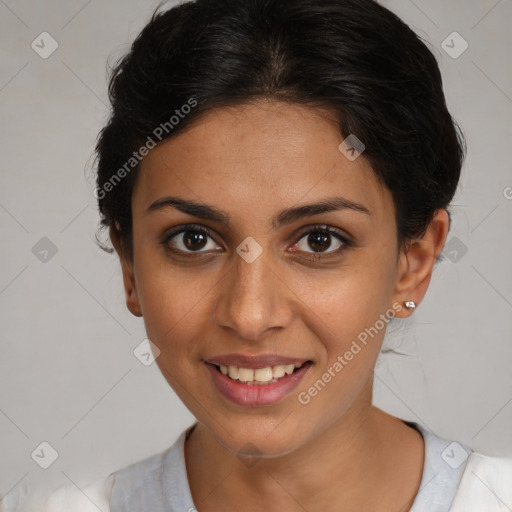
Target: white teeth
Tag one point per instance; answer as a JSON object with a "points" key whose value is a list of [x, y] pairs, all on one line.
{"points": [[259, 375], [278, 371], [289, 368], [233, 372], [263, 374], [245, 374]]}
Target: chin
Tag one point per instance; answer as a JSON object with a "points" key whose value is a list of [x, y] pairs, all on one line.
{"points": [[260, 439]]}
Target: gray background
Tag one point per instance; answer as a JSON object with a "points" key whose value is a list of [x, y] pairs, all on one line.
{"points": [[68, 375]]}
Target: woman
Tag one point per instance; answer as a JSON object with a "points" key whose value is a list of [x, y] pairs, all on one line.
{"points": [[275, 178]]}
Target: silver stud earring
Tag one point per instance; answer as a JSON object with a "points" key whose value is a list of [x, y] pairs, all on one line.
{"points": [[410, 305]]}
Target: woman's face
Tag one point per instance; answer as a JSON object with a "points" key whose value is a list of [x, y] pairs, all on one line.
{"points": [[258, 284]]}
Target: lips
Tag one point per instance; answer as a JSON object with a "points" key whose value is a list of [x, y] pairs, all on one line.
{"points": [[256, 380]]}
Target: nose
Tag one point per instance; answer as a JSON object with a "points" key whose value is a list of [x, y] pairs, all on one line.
{"points": [[253, 299]]}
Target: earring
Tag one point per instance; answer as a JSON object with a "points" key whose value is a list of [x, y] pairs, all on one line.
{"points": [[410, 305]]}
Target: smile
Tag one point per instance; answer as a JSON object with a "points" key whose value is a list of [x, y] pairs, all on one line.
{"points": [[263, 384], [259, 376]]}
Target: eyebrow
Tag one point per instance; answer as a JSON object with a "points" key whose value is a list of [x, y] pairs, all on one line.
{"points": [[286, 216]]}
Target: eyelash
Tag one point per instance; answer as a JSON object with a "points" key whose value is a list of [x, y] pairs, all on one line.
{"points": [[324, 229]]}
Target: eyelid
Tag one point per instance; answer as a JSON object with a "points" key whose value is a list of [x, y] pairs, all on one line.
{"points": [[305, 230], [177, 230], [319, 257], [341, 235]]}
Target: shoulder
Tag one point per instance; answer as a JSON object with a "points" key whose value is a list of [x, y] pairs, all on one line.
{"points": [[486, 484], [92, 497], [137, 483], [138, 486], [98, 494], [66, 498]]}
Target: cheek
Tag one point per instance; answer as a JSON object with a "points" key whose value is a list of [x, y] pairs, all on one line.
{"points": [[174, 301], [347, 317], [354, 336], [349, 300]]}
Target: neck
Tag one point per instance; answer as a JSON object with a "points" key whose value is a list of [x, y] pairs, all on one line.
{"points": [[365, 449]]}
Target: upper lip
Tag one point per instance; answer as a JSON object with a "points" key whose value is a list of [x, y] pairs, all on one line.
{"points": [[260, 361]]}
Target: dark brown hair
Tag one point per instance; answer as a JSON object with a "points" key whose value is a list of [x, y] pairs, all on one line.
{"points": [[354, 57]]}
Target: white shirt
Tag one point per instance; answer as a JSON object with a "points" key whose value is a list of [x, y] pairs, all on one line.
{"points": [[454, 479]]}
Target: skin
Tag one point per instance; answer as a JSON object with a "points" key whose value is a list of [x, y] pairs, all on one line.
{"points": [[251, 161]]}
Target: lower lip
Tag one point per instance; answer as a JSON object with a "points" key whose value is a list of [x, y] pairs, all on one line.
{"points": [[257, 395]]}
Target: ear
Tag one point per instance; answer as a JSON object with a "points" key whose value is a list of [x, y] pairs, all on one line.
{"points": [[130, 288], [416, 262]]}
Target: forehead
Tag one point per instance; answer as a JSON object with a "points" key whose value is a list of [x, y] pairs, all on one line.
{"points": [[258, 157]]}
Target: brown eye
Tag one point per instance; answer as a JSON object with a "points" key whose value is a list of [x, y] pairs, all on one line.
{"points": [[189, 239], [194, 240], [319, 242], [319, 239]]}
